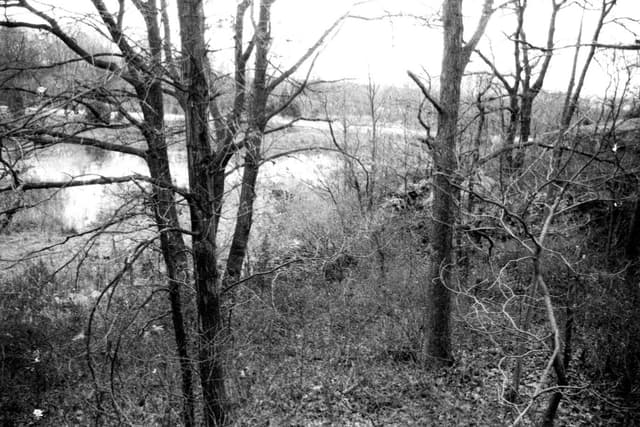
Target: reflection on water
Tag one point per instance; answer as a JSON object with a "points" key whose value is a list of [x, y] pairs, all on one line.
{"points": [[83, 206]]}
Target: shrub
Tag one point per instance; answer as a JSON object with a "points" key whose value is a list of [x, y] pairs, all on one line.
{"points": [[34, 335]]}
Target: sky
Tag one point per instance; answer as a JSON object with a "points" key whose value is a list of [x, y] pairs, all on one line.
{"points": [[385, 48]]}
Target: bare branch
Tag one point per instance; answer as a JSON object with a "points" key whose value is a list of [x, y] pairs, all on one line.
{"points": [[548, 53], [101, 180], [45, 137], [299, 90], [495, 71], [425, 92], [118, 37], [635, 46], [487, 11], [285, 75], [53, 27]]}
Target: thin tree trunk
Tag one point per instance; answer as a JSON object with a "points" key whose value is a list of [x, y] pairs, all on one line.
{"points": [[172, 244], [569, 109], [526, 108], [531, 91], [556, 397], [574, 286], [525, 321], [174, 254], [466, 251], [255, 132], [244, 219], [512, 129]]}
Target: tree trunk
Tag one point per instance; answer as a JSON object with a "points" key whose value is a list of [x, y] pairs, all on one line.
{"points": [[556, 397], [173, 248], [632, 253], [172, 244], [255, 133], [512, 130], [456, 56], [526, 108], [202, 213], [445, 165], [466, 251], [244, 220]]}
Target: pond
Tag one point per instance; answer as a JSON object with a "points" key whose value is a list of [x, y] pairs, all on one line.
{"points": [[81, 207]]}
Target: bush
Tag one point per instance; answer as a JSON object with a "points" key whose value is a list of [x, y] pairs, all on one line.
{"points": [[36, 210], [34, 335], [611, 333]]}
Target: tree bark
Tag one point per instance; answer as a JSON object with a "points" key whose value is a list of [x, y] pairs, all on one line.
{"points": [[244, 219], [554, 402], [456, 56], [149, 92], [444, 163], [530, 91], [255, 132], [172, 244], [526, 108], [191, 18], [571, 106]]}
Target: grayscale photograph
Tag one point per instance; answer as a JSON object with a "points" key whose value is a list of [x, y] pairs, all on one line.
{"points": [[359, 213]]}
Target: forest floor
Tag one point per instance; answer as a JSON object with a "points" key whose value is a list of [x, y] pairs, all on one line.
{"points": [[303, 353]]}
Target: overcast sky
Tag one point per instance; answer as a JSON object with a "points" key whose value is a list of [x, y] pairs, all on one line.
{"points": [[387, 48]]}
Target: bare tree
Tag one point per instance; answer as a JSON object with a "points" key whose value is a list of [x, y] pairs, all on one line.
{"points": [[455, 59], [257, 115], [243, 127], [525, 86], [141, 73], [194, 51], [574, 89], [148, 74]]}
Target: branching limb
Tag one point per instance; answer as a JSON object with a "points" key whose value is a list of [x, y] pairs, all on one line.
{"points": [[319, 42], [101, 180], [487, 11], [47, 138], [425, 91]]}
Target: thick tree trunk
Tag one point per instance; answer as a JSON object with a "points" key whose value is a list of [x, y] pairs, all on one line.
{"points": [[445, 165], [439, 342], [199, 156], [456, 56]]}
